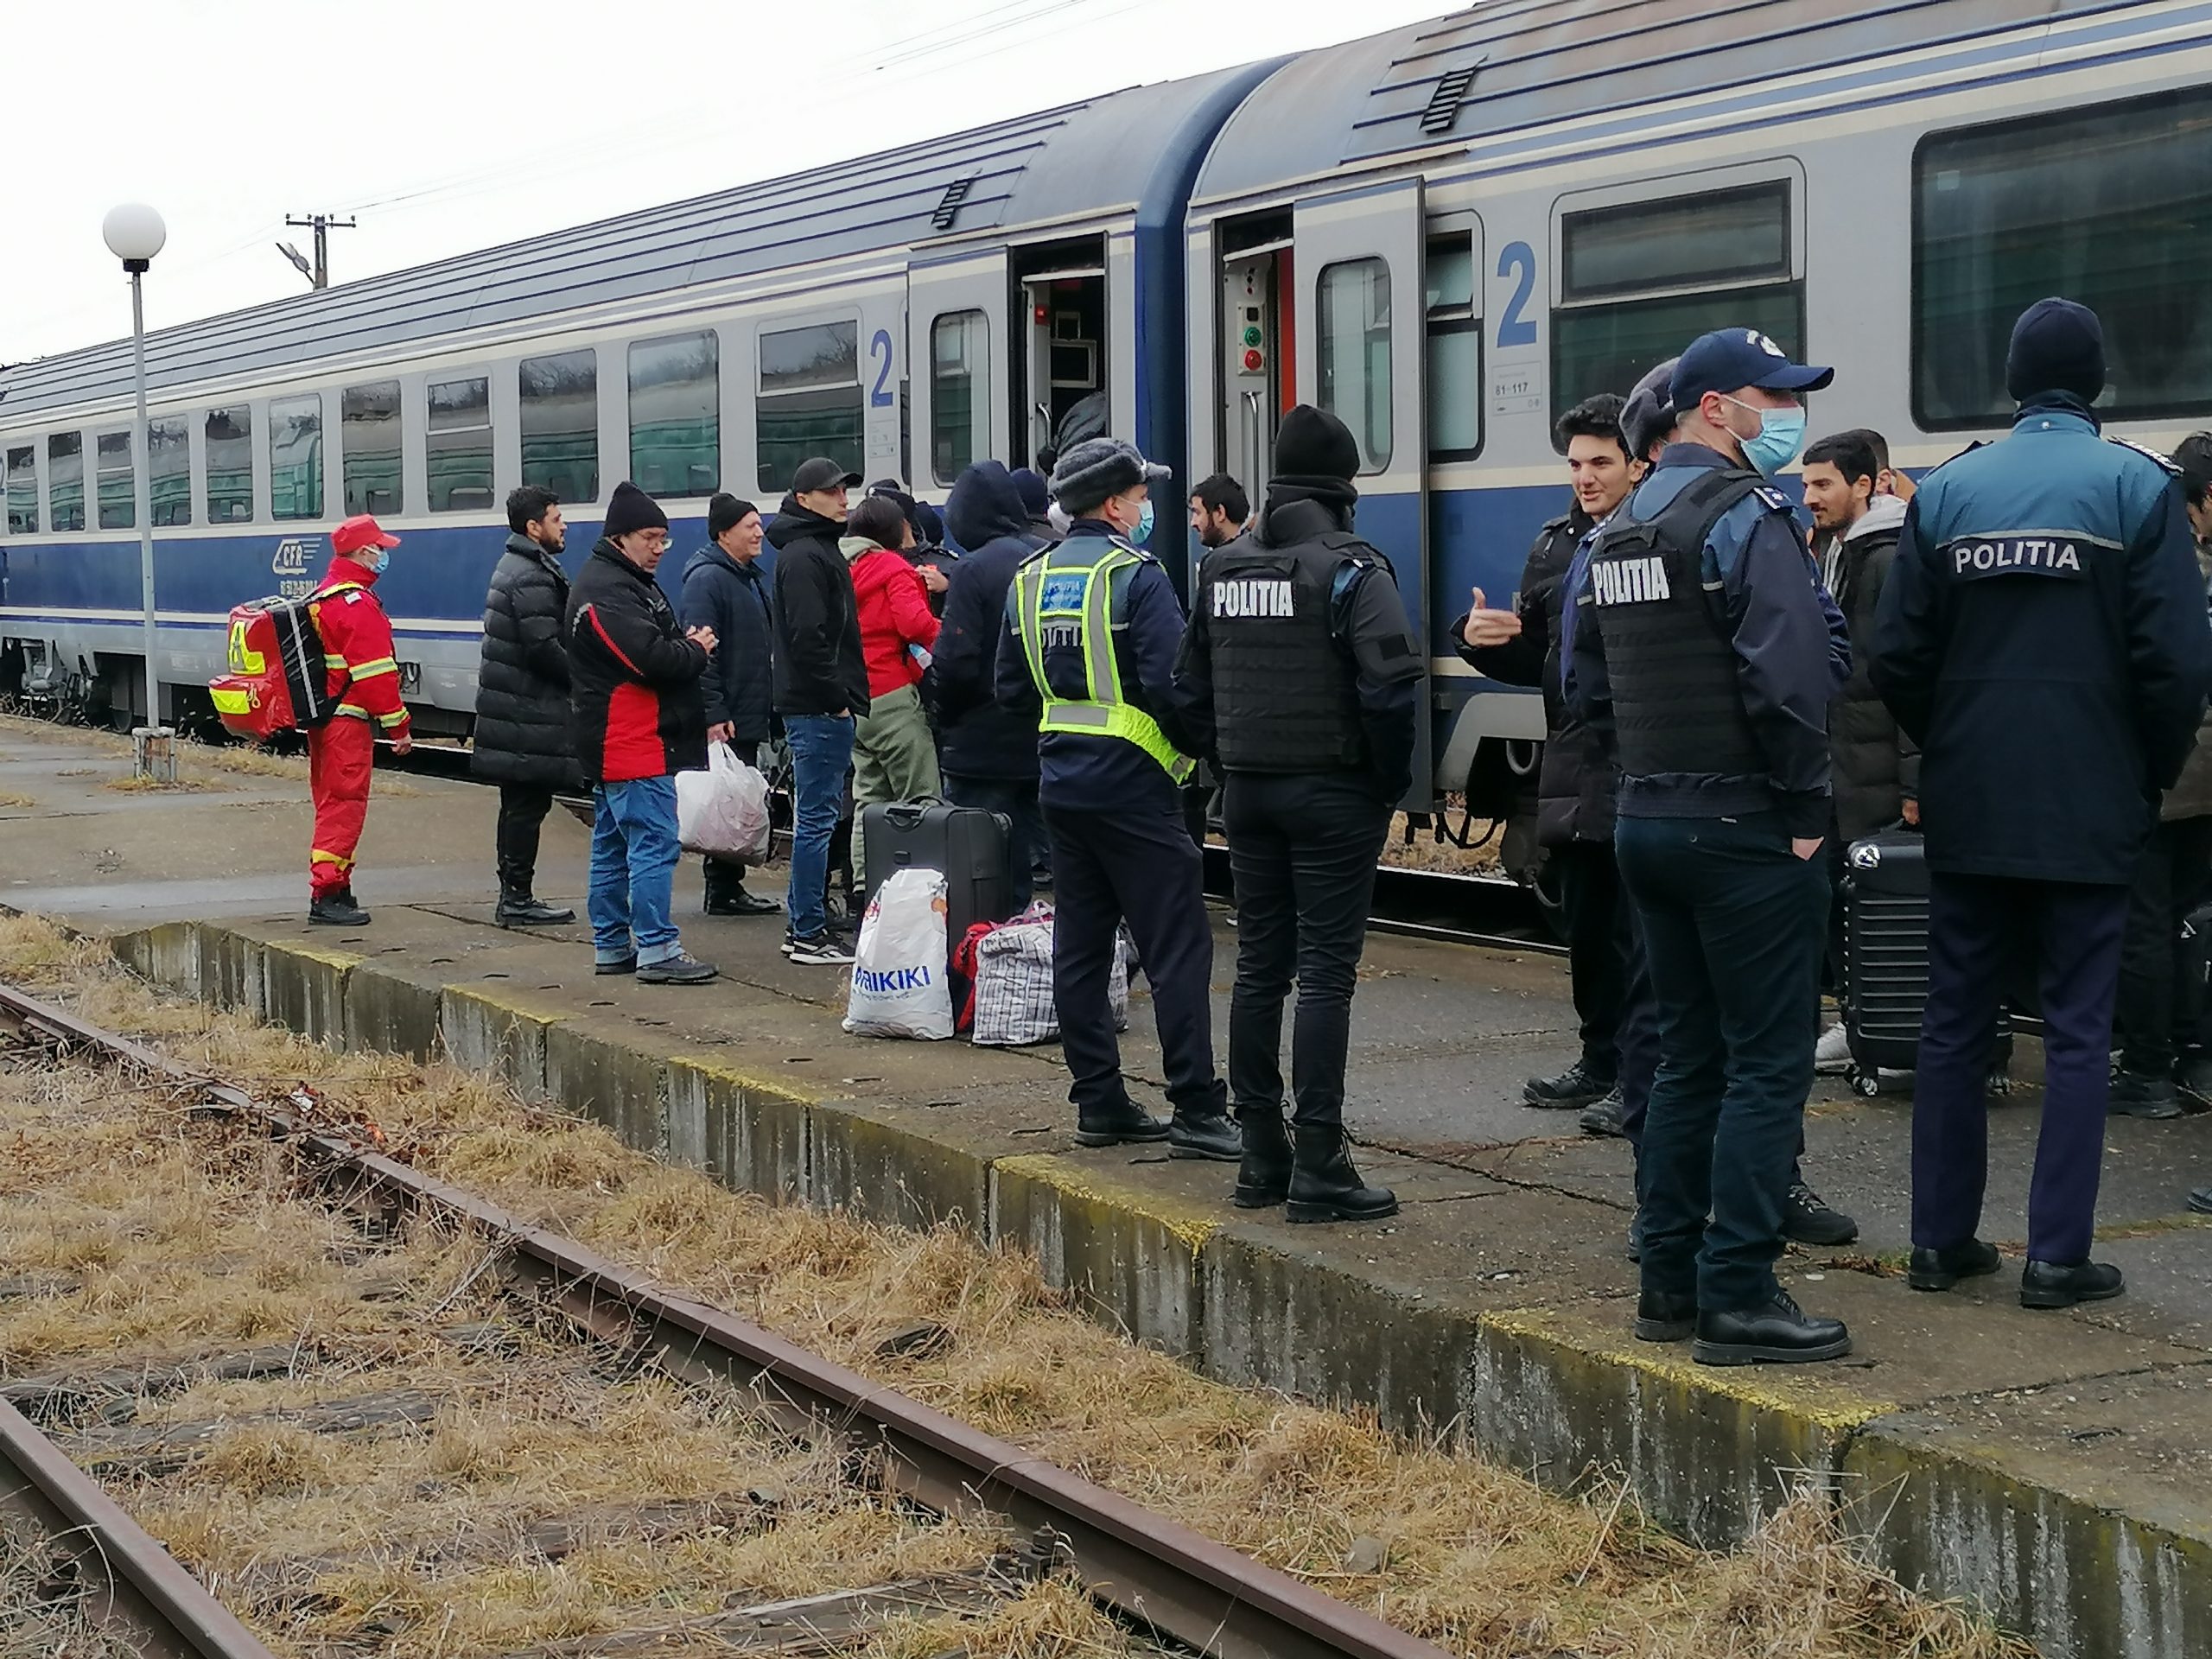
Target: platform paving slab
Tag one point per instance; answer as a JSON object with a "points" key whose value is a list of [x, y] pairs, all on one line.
{"points": [[2051, 1466]]}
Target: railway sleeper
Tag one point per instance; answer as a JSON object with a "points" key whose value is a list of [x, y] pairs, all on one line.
{"points": [[153, 1450]]}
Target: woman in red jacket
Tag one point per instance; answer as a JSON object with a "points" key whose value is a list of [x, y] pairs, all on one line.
{"points": [[894, 752]]}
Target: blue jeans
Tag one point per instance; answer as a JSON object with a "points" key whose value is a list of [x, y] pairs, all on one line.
{"points": [[822, 751], [1734, 924], [633, 853]]}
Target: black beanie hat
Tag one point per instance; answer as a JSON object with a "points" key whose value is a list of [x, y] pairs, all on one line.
{"points": [[2057, 346], [1313, 443], [631, 509], [725, 513]]}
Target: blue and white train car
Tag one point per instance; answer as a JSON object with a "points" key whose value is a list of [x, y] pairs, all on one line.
{"points": [[1449, 232]]}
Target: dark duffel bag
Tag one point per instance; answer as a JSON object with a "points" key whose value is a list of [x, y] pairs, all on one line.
{"points": [[1886, 959], [966, 843]]}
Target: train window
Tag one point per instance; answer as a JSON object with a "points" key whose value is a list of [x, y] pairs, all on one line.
{"points": [[168, 471], [675, 431], [23, 492], [65, 480], [1353, 303], [230, 465], [1455, 349], [2111, 205], [372, 428], [119, 481], [296, 457], [960, 395], [460, 445], [560, 424], [809, 401], [1641, 281]]}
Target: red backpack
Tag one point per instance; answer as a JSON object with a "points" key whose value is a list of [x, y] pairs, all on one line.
{"points": [[278, 679]]}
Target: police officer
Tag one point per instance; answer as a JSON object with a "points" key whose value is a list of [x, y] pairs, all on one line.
{"points": [[2043, 637], [1301, 665], [1088, 648], [1703, 646]]}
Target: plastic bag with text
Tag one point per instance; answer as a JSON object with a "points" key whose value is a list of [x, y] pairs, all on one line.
{"points": [[901, 987]]}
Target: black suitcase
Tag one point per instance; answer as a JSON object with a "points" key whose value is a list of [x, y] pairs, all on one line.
{"points": [[1886, 959], [966, 843]]}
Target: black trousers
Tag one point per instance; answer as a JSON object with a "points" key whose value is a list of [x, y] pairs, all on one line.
{"points": [[1597, 947], [523, 808], [1302, 848], [1142, 865], [2158, 1010]]}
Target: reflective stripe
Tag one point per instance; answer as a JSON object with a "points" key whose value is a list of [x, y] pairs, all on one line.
{"points": [[332, 659], [355, 709], [231, 700], [370, 670], [390, 721], [1105, 712]]}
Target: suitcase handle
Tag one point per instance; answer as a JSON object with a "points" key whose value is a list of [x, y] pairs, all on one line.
{"points": [[904, 816]]}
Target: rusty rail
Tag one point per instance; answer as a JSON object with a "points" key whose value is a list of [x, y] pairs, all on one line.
{"points": [[1211, 1598]]}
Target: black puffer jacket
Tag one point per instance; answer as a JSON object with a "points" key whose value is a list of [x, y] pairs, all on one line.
{"points": [[1575, 788], [523, 731], [2191, 795], [819, 669], [1876, 767], [731, 597], [980, 739]]}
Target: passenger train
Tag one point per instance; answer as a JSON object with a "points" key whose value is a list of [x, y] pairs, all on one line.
{"points": [[1449, 233]]}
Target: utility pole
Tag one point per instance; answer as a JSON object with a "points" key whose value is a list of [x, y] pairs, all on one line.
{"points": [[318, 274]]}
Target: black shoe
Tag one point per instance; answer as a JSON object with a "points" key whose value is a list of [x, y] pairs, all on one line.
{"points": [[2134, 1095], [1660, 1317], [1264, 1173], [742, 903], [1774, 1333], [1941, 1269], [1575, 1087], [1130, 1126], [2200, 1200], [521, 910], [1605, 1115], [2046, 1284], [1807, 1218], [1213, 1135], [682, 969], [337, 910], [627, 965], [825, 949], [1324, 1185]]}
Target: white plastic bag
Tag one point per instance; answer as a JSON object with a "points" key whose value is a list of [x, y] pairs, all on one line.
{"points": [[723, 811], [899, 987], [1014, 983]]}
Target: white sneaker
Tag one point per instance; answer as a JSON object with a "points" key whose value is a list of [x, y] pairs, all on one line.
{"points": [[1832, 1054]]}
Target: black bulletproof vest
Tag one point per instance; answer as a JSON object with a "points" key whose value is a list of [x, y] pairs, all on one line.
{"points": [[1283, 694], [1677, 704]]}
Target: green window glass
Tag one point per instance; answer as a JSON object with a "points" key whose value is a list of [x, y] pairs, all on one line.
{"points": [[373, 436], [168, 471], [65, 480], [230, 465], [676, 429], [119, 481], [296, 457], [960, 390], [560, 424], [459, 444], [23, 491], [1352, 343], [809, 401], [1454, 372]]}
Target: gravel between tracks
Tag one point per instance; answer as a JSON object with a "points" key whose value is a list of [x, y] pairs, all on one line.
{"points": [[180, 1235]]}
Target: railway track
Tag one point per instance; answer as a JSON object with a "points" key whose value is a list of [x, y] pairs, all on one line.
{"points": [[612, 1345]]}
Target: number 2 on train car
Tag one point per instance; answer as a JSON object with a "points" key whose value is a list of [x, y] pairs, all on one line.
{"points": [[879, 396], [1513, 328]]}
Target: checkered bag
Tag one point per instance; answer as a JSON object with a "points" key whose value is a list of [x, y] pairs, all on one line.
{"points": [[1013, 999]]}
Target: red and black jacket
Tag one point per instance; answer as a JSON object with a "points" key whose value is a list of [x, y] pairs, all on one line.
{"points": [[634, 693]]}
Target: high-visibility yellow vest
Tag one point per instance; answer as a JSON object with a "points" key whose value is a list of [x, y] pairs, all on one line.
{"points": [[1071, 587]]}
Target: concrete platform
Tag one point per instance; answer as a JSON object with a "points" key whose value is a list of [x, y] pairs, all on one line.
{"points": [[2050, 1467]]}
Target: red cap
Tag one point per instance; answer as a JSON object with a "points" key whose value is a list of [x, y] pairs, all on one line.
{"points": [[358, 532]]}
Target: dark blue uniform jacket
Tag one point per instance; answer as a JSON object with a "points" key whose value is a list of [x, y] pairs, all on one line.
{"points": [[2043, 637], [1791, 654]]}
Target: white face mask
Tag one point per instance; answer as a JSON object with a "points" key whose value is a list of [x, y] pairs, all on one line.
{"points": [[1057, 516]]}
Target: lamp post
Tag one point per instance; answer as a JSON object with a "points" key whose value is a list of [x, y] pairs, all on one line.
{"points": [[134, 233]]}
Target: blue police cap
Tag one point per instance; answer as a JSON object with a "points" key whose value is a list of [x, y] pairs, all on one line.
{"points": [[1728, 359]]}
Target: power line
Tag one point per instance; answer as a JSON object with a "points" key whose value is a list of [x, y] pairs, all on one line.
{"points": [[318, 274]]}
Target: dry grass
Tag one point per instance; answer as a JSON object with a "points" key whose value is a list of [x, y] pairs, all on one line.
{"points": [[14, 801], [182, 785], [1472, 1556]]}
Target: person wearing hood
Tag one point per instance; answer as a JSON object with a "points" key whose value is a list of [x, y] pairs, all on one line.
{"points": [[2044, 639], [1036, 505], [988, 752], [894, 754], [635, 674], [523, 740], [725, 590], [1087, 651], [1303, 677], [820, 680], [363, 684]]}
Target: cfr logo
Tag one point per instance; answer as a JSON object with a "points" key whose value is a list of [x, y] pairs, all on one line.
{"points": [[289, 566]]}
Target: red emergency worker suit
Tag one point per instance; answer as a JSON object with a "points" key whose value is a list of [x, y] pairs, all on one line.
{"points": [[365, 681]]}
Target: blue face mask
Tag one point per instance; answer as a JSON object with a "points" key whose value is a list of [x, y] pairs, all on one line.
{"points": [[376, 558], [1143, 531], [1781, 434]]}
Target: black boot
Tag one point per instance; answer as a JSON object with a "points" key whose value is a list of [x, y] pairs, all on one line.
{"points": [[517, 908], [1324, 1185], [1263, 1176], [1941, 1269], [337, 910], [1129, 1123], [2053, 1284], [1204, 1135], [726, 894]]}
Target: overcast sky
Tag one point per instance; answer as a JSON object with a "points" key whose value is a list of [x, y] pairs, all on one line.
{"points": [[446, 125]]}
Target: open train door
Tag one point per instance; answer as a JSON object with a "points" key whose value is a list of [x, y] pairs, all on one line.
{"points": [[957, 345], [1360, 352]]}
